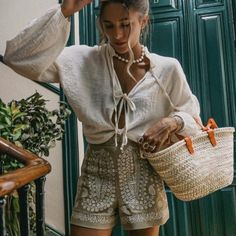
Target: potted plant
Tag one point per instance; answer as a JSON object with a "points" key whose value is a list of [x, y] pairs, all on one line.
{"points": [[28, 124]]}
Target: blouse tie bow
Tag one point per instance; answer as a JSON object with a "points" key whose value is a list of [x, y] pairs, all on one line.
{"points": [[128, 105]]}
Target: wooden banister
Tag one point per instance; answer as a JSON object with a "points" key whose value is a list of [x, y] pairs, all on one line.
{"points": [[35, 167]]}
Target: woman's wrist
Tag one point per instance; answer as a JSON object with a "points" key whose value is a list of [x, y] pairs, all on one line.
{"points": [[179, 123], [67, 13]]}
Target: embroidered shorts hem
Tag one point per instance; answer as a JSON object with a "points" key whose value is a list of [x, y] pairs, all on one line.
{"points": [[118, 185], [88, 221], [93, 221], [144, 224]]}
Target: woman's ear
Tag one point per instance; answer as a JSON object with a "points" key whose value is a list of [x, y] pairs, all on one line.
{"points": [[145, 21]]}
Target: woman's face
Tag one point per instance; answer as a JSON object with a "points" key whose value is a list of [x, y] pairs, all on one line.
{"points": [[119, 26]]}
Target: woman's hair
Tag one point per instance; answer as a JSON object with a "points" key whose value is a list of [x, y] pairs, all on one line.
{"points": [[141, 6]]}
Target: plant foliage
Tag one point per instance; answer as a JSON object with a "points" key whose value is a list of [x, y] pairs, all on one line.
{"points": [[28, 124]]}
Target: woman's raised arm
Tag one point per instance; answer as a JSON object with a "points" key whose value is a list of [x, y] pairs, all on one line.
{"points": [[69, 7], [33, 52]]}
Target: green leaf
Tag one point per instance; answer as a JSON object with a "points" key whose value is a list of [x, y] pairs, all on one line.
{"points": [[13, 164], [18, 144], [14, 108], [7, 120], [18, 115], [2, 113], [25, 136], [16, 135], [46, 153], [7, 109], [3, 126], [15, 204], [19, 127], [6, 134]]}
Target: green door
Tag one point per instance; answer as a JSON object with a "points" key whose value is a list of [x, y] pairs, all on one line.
{"points": [[201, 35]]}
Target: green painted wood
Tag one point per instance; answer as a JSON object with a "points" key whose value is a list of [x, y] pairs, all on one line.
{"points": [[201, 35], [70, 154], [169, 5], [212, 64], [208, 3], [232, 8], [50, 231], [70, 167], [50, 87]]}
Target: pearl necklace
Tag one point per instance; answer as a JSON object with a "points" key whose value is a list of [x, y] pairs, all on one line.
{"points": [[140, 59]]}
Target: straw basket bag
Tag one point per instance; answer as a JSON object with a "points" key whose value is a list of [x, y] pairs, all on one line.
{"points": [[197, 165]]}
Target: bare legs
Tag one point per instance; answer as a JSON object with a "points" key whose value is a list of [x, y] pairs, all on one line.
{"points": [[80, 231], [154, 231]]}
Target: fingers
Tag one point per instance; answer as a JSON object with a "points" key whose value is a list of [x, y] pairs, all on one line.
{"points": [[146, 146], [156, 137], [151, 145]]}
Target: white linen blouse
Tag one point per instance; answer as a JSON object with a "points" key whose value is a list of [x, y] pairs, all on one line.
{"points": [[91, 86]]}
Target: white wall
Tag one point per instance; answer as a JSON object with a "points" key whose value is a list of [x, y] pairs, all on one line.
{"points": [[14, 15]]}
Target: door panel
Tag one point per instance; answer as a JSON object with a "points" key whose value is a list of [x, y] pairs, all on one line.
{"points": [[214, 215], [166, 40], [179, 221], [207, 3], [213, 63], [165, 4]]}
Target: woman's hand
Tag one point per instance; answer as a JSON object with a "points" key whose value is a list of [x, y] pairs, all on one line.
{"points": [[159, 134], [69, 7]]}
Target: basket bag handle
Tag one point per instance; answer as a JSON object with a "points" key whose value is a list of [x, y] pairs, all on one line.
{"points": [[209, 128]]}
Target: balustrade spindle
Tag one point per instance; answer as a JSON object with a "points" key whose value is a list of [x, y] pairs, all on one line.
{"points": [[24, 210], [40, 213], [2, 208], [2, 216]]}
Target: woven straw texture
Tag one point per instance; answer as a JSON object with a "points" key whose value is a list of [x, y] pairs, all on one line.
{"points": [[192, 176]]}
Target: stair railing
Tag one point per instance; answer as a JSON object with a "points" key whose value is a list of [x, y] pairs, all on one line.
{"points": [[35, 169]]}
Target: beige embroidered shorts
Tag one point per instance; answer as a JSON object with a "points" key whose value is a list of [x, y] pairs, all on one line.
{"points": [[115, 183]]}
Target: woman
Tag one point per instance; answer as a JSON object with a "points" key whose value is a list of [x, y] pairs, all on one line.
{"points": [[128, 100]]}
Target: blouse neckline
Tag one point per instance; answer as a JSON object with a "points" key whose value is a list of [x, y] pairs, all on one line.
{"points": [[119, 96]]}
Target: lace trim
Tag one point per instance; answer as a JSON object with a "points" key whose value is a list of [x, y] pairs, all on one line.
{"points": [[92, 218], [145, 217]]}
